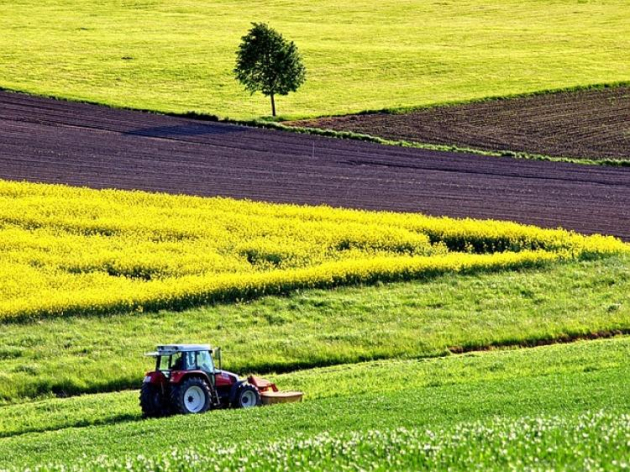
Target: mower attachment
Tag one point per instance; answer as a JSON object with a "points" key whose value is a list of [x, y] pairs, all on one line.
{"points": [[269, 393]]}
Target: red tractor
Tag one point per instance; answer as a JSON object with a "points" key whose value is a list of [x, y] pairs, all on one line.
{"points": [[186, 380]]}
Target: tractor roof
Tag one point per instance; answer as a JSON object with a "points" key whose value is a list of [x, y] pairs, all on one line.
{"points": [[168, 349]]}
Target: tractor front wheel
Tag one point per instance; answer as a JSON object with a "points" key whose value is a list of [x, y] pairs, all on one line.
{"points": [[191, 396], [247, 397], [152, 401]]}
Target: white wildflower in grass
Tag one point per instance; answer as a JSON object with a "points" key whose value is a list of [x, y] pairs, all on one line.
{"points": [[590, 442]]}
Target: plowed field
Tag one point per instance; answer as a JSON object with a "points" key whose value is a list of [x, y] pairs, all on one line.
{"points": [[586, 124], [52, 141]]}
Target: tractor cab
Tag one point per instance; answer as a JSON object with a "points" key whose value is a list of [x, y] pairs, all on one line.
{"points": [[185, 357]]}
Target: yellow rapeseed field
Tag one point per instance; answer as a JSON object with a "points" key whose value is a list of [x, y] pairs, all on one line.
{"points": [[71, 250]]}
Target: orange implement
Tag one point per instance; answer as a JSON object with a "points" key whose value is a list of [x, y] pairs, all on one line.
{"points": [[270, 398], [269, 393]]}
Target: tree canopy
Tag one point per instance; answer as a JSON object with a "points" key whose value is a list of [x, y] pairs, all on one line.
{"points": [[268, 63]]}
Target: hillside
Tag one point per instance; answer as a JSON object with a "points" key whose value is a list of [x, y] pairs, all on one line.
{"points": [[178, 56]]}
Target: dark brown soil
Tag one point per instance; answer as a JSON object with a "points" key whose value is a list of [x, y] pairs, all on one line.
{"points": [[586, 124], [78, 144]]}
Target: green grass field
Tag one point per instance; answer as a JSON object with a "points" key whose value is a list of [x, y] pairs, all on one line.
{"points": [[178, 56], [590, 441], [317, 327], [495, 388]]}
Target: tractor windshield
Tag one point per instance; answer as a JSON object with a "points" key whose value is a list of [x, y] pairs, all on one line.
{"points": [[191, 360], [204, 361]]}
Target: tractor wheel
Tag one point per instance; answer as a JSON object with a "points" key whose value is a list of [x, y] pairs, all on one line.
{"points": [[191, 396], [247, 397], [152, 401]]}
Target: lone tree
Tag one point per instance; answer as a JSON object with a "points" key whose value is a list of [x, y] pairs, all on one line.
{"points": [[268, 63]]}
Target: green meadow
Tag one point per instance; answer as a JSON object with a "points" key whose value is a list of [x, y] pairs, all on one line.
{"points": [[178, 56], [499, 389]]}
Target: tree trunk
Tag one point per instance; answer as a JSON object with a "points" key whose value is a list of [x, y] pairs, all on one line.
{"points": [[273, 106]]}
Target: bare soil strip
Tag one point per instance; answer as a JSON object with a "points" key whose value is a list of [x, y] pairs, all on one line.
{"points": [[590, 124], [78, 144]]}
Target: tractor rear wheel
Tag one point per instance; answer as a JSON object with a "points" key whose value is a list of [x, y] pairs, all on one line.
{"points": [[152, 401], [191, 396], [247, 396]]}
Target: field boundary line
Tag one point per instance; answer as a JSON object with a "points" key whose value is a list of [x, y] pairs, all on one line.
{"points": [[439, 147], [343, 277], [280, 124], [564, 338], [489, 98]]}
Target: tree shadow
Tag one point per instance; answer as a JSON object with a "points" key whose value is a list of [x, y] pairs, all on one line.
{"points": [[179, 131]]}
